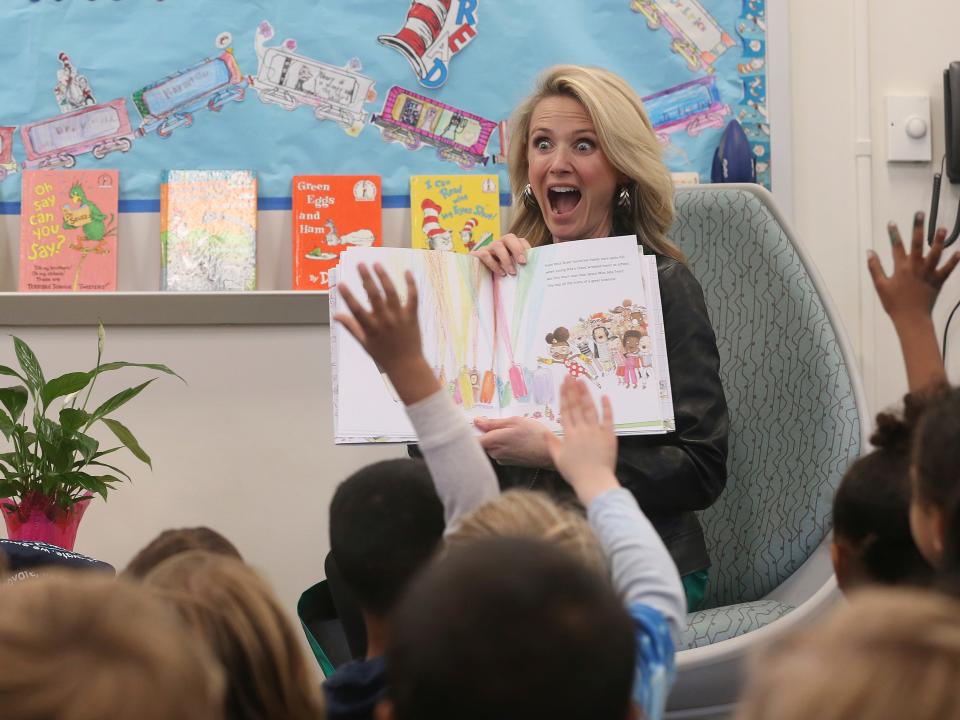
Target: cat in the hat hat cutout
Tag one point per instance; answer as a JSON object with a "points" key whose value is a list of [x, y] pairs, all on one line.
{"points": [[438, 238], [434, 31]]}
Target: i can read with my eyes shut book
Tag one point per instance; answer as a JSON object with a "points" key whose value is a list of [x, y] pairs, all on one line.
{"points": [[501, 346]]}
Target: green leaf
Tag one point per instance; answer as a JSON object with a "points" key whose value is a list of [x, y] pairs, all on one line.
{"points": [[72, 420], [116, 401], [87, 482], [106, 367], [4, 370], [14, 399], [94, 463], [101, 340], [64, 385], [30, 365], [6, 424], [88, 446], [127, 438]]}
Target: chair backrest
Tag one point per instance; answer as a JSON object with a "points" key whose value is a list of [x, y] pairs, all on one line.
{"points": [[790, 384]]}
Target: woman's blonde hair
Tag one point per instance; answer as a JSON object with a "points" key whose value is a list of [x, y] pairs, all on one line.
{"points": [[886, 655], [233, 608], [532, 514], [77, 646], [626, 138]]}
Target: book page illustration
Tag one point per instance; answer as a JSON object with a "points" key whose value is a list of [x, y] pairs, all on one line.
{"points": [[455, 295], [577, 309]]}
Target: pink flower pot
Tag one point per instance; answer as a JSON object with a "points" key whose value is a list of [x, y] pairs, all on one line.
{"points": [[37, 518]]}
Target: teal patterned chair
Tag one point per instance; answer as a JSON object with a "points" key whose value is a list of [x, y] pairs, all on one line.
{"points": [[798, 418]]}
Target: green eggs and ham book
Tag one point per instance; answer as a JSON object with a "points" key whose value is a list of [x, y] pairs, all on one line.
{"points": [[68, 230]]}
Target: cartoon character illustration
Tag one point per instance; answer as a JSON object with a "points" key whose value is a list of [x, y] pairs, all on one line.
{"points": [[83, 213], [631, 357], [73, 90], [646, 358], [359, 238], [434, 31], [618, 358], [466, 234], [303, 75], [438, 238], [562, 352], [601, 348]]}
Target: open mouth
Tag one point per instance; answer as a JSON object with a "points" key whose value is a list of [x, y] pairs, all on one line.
{"points": [[563, 199]]}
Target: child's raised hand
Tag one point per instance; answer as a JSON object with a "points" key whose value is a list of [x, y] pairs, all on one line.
{"points": [[390, 332], [910, 292], [586, 456]]}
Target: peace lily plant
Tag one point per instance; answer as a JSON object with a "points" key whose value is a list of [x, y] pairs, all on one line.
{"points": [[53, 463]]}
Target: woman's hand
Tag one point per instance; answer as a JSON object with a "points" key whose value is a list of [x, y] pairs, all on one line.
{"points": [[586, 456], [390, 333], [910, 292], [515, 441], [504, 255]]}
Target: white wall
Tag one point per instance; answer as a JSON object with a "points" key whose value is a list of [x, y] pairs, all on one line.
{"points": [[906, 46], [246, 447]]}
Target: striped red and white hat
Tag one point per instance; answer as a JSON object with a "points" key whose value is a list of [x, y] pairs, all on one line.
{"points": [[431, 218], [470, 225], [425, 20]]}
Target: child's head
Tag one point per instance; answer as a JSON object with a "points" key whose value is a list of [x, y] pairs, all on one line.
{"points": [[872, 541], [510, 628], [386, 522], [935, 502], [532, 514], [76, 646], [888, 654], [230, 606], [177, 540]]}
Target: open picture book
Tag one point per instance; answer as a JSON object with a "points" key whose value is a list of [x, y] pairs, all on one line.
{"points": [[502, 346]]}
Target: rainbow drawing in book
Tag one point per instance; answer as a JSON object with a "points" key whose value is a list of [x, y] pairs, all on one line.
{"points": [[68, 230], [208, 230], [454, 212], [330, 214]]}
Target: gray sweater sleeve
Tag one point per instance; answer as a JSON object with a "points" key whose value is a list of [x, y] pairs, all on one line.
{"points": [[460, 468], [640, 566]]}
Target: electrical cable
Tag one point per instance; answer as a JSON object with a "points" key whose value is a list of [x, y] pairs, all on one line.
{"points": [[946, 329]]}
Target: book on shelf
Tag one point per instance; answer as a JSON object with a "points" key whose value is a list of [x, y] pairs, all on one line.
{"points": [[501, 346], [208, 230], [68, 230], [330, 214], [454, 212]]}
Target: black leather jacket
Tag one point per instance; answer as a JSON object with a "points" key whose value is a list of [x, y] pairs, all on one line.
{"points": [[671, 475]]}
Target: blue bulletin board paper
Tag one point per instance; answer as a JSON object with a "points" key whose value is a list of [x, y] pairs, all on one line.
{"points": [[285, 87]]}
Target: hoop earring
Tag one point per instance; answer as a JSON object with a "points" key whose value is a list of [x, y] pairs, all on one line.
{"points": [[623, 199], [526, 195]]}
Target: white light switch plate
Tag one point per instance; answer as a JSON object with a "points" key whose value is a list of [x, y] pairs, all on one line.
{"points": [[908, 129]]}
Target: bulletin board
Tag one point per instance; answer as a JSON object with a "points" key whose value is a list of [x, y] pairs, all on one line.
{"points": [[285, 87]]}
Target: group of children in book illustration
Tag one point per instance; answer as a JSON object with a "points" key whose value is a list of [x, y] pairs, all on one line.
{"points": [[609, 344], [613, 343]]}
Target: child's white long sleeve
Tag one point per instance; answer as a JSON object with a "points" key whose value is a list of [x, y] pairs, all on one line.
{"points": [[641, 568], [460, 468]]}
